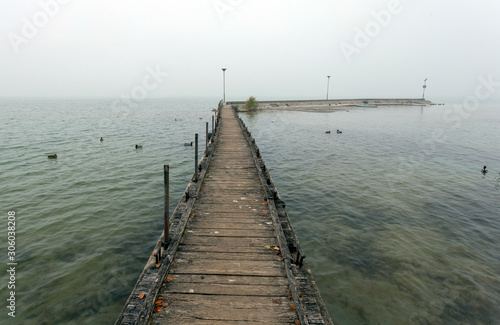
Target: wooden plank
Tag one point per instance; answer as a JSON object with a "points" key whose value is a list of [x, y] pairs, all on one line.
{"points": [[235, 200], [233, 267], [227, 289], [223, 249], [236, 210], [187, 308], [259, 233], [209, 223], [229, 242], [229, 220], [229, 279], [226, 301], [263, 255], [230, 216]]}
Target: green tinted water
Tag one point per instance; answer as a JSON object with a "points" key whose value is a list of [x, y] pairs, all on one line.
{"points": [[398, 225]]}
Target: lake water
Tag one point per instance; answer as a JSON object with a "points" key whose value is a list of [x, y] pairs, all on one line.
{"points": [[398, 223]]}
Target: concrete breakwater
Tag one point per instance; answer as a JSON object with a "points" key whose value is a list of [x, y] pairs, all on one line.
{"points": [[332, 104]]}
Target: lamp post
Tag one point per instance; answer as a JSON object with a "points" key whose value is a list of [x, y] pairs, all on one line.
{"points": [[424, 86], [327, 87], [224, 85]]}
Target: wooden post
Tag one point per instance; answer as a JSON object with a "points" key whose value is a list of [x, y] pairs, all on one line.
{"points": [[213, 117], [196, 157], [166, 210], [206, 139]]}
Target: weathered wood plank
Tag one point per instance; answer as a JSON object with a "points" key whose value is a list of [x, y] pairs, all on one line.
{"points": [[223, 249], [259, 233], [229, 241], [216, 225], [227, 289], [229, 219], [229, 279], [236, 210], [264, 255], [234, 267], [184, 309]]}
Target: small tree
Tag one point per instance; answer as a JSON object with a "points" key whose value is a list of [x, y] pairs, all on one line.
{"points": [[251, 104]]}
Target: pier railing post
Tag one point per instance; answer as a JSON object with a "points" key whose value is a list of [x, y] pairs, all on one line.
{"points": [[213, 117], [196, 157], [166, 210], [206, 139]]}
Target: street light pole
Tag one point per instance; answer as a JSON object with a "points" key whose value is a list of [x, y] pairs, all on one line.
{"points": [[425, 86], [327, 87], [224, 85]]}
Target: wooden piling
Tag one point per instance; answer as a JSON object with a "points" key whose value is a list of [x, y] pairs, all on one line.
{"points": [[166, 209], [206, 138], [196, 157]]}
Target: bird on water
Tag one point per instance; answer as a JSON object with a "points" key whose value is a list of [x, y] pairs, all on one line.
{"points": [[138, 146], [189, 144], [484, 170]]}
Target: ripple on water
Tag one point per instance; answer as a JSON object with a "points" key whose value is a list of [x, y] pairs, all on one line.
{"points": [[391, 238], [395, 232]]}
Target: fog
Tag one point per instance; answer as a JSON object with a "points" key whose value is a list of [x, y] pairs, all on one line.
{"points": [[274, 49]]}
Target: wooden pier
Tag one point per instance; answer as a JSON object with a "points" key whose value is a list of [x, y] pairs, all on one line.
{"points": [[232, 257]]}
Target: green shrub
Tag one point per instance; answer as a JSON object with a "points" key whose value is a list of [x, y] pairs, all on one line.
{"points": [[251, 104]]}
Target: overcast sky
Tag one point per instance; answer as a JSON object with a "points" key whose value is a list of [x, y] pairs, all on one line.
{"points": [[272, 49]]}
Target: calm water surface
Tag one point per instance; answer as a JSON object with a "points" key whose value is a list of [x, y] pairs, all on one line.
{"points": [[398, 224]]}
